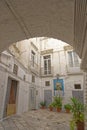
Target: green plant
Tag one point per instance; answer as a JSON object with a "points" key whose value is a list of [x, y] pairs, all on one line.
{"points": [[58, 101], [58, 106], [42, 103], [77, 109], [68, 106], [52, 104]]}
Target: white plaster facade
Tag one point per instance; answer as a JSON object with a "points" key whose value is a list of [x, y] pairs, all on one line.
{"points": [[60, 65], [6, 70], [23, 78]]}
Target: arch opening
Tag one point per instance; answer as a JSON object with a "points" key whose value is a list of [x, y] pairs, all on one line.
{"points": [[44, 67]]}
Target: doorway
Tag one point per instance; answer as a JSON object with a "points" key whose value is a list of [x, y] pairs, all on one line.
{"points": [[10, 101], [79, 95], [32, 104], [48, 96]]}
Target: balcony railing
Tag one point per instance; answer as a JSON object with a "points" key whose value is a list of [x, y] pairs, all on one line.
{"points": [[73, 69], [46, 72], [34, 67]]}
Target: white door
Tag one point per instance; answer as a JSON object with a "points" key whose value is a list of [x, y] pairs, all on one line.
{"points": [[32, 99], [48, 96]]}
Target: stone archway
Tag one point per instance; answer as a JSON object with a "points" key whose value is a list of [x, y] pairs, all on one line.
{"points": [[27, 19], [60, 19]]}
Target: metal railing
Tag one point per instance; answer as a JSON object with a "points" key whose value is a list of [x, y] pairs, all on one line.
{"points": [[44, 72], [34, 67]]}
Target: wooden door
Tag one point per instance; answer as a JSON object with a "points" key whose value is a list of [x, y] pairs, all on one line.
{"points": [[11, 106]]}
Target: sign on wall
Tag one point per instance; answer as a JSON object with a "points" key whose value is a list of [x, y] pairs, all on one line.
{"points": [[58, 86]]}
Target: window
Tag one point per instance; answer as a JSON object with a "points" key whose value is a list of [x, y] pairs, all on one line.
{"points": [[33, 78], [47, 64], [32, 58], [73, 59], [24, 77], [15, 69], [77, 86], [47, 83], [36, 92]]}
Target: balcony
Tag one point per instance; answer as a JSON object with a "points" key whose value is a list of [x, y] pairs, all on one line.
{"points": [[34, 67], [73, 70], [46, 73]]}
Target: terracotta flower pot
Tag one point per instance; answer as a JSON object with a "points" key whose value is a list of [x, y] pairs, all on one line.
{"points": [[51, 108], [80, 126], [42, 107], [58, 109], [67, 111]]}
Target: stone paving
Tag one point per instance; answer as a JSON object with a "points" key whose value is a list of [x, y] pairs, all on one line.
{"points": [[37, 120]]}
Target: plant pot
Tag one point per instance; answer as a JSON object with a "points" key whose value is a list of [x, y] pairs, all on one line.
{"points": [[42, 107], [67, 111], [58, 109], [80, 126], [51, 108]]}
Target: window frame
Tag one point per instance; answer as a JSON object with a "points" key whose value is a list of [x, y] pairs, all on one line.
{"points": [[15, 69], [76, 85], [33, 79], [33, 55], [47, 83], [73, 62], [47, 64]]}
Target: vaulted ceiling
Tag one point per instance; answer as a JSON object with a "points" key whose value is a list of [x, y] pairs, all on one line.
{"points": [[60, 19]]}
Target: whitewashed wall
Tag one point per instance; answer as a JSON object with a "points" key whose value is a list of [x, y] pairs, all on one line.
{"points": [[6, 71], [3, 86], [69, 85], [59, 62], [23, 97]]}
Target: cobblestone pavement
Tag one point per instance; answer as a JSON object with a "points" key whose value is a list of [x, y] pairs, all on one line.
{"points": [[37, 120]]}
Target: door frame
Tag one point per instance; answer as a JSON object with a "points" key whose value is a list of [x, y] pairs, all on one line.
{"points": [[30, 98], [50, 95], [8, 94]]}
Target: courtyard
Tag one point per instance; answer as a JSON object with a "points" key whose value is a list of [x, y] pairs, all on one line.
{"points": [[37, 120], [53, 62]]}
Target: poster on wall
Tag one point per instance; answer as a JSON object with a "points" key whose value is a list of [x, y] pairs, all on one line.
{"points": [[58, 87]]}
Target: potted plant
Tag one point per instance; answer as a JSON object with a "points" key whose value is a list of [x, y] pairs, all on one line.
{"points": [[51, 106], [77, 109], [67, 107], [58, 103], [42, 104], [58, 107]]}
